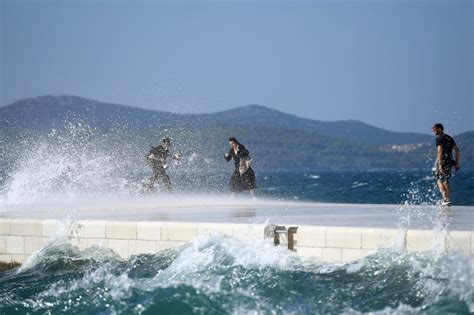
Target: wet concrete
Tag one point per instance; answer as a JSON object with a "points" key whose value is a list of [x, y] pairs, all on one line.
{"points": [[225, 210]]}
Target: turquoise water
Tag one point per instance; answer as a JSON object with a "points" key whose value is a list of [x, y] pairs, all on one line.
{"points": [[216, 274]]}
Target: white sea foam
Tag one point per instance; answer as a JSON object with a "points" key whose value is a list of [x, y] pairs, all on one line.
{"points": [[358, 184], [64, 166], [204, 263]]}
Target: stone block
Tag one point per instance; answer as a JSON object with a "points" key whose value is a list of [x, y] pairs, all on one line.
{"points": [[311, 236], [472, 243], [15, 244], [420, 240], [210, 228], [136, 247], [22, 227], [171, 231], [126, 230], [91, 228], [49, 227], [381, 238], [32, 244], [6, 258], [120, 247], [342, 237], [309, 251], [3, 244], [459, 241], [149, 231], [5, 226], [331, 254]]}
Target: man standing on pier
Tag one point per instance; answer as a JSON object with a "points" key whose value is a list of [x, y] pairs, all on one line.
{"points": [[444, 162]]}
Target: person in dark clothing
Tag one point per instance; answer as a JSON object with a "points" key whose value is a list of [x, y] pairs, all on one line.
{"points": [[243, 178], [157, 160], [445, 145]]}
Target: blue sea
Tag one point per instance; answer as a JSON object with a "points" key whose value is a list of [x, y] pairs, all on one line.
{"points": [[374, 187]]}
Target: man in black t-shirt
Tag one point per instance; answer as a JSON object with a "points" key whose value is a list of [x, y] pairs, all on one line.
{"points": [[444, 161]]}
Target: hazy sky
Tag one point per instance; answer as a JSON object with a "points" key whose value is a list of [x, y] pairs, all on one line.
{"points": [[400, 65]]}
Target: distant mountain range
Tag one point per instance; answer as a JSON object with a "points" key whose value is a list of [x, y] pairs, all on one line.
{"points": [[47, 112], [279, 140]]}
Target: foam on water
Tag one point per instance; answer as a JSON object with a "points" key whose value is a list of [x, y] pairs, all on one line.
{"points": [[218, 274]]}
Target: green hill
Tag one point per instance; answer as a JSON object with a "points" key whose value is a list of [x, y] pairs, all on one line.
{"points": [[277, 141]]}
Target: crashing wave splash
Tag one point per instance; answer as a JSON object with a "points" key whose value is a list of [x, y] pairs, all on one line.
{"points": [[218, 274]]}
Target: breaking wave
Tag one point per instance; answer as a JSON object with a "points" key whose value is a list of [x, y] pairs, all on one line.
{"points": [[218, 274]]}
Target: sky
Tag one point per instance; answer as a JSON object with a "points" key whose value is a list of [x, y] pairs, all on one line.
{"points": [[400, 65]]}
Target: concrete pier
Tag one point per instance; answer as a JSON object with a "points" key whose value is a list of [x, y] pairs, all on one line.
{"points": [[332, 232]]}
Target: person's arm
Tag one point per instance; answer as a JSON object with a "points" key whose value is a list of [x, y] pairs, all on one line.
{"points": [[228, 156], [243, 151], [151, 155], [458, 158], [439, 162]]}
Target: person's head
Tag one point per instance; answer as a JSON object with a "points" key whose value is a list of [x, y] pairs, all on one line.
{"points": [[166, 142], [233, 142], [438, 129]]}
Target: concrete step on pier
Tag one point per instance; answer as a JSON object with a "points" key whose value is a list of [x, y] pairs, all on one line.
{"points": [[333, 232]]}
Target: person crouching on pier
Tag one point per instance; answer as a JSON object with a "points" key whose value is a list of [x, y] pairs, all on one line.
{"points": [[243, 178]]}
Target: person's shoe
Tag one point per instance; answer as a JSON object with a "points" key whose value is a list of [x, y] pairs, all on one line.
{"points": [[446, 203]]}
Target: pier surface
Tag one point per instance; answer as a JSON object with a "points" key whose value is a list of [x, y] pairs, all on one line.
{"points": [[223, 210]]}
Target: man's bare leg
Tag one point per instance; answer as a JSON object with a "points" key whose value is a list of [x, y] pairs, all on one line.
{"points": [[442, 189], [447, 190]]}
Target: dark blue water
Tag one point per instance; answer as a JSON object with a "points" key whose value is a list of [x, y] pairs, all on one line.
{"points": [[376, 187], [216, 274]]}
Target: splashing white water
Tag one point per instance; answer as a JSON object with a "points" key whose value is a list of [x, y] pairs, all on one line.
{"points": [[66, 164]]}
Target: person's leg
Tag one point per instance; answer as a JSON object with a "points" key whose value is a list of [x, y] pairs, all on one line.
{"points": [[252, 193], [442, 189], [151, 182], [167, 182], [447, 189], [164, 179], [235, 183]]}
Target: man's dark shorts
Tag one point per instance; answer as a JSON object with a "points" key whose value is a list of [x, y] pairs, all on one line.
{"points": [[443, 177]]}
